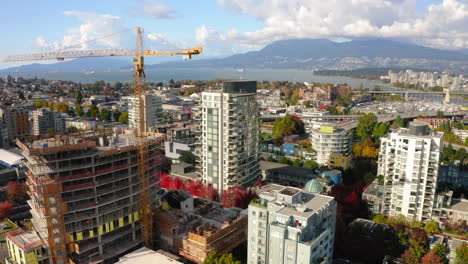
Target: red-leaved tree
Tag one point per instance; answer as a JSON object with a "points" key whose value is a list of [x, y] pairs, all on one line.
{"points": [[5, 208], [431, 258], [237, 197], [17, 192], [410, 258]]}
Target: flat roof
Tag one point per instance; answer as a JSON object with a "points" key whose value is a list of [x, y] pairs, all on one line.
{"points": [[144, 255], [267, 165], [459, 205], [26, 240], [9, 158]]}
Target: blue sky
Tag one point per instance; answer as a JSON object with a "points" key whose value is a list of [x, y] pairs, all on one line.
{"points": [[224, 27]]}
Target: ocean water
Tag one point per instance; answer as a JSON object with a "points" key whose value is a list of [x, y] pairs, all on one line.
{"points": [[164, 75]]}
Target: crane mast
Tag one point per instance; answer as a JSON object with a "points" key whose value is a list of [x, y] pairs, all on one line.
{"points": [[139, 86]]}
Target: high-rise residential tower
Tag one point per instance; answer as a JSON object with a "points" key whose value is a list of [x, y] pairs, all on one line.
{"points": [[291, 226], [45, 121], [328, 140], [409, 161], [229, 138], [152, 113]]}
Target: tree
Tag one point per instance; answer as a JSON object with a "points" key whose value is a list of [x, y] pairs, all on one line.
{"points": [[440, 114], [38, 103], [93, 111], [286, 126], [441, 251], [379, 218], [380, 130], [105, 115], [431, 227], [297, 163], [5, 209], [211, 258], [21, 95], [431, 258], [418, 242], [310, 164], [365, 149], [398, 122], [123, 118], [17, 192], [187, 157], [284, 160], [461, 254], [78, 97], [115, 115], [79, 110], [460, 155], [409, 257], [458, 125], [237, 197], [228, 259], [366, 125]]}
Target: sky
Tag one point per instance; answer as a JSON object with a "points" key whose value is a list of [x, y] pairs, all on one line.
{"points": [[225, 27]]}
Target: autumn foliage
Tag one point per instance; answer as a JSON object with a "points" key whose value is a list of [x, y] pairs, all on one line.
{"points": [[365, 149], [5, 209], [17, 191], [232, 197]]}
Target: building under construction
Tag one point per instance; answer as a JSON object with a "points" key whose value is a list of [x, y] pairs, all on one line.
{"points": [[85, 194], [193, 227]]}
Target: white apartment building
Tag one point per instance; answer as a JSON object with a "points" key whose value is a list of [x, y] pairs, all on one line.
{"points": [[409, 161], [290, 226], [328, 140], [152, 113], [229, 139]]}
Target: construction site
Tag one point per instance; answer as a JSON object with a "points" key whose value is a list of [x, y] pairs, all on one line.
{"points": [[193, 227], [85, 192]]}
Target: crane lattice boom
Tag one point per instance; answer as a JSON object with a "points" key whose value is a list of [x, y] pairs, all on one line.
{"points": [[61, 55]]}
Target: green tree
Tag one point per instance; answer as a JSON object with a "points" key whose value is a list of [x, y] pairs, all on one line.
{"points": [[286, 126], [431, 227], [38, 103], [115, 115], [458, 125], [78, 97], [227, 259], [21, 95], [398, 122], [366, 125], [93, 111], [123, 118], [380, 130], [297, 163], [187, 157], [211, 258], [79, 110], [440, 250], [310, 164], [284, 160], [460, 155], [440, 114], [461, 254], [105, 115], [379, 218]]}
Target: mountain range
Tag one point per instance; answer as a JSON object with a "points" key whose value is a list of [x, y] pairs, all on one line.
{"points": [[306, 54]]}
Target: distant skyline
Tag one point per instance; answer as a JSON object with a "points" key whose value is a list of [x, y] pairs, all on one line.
{"points": [[225, 27]]}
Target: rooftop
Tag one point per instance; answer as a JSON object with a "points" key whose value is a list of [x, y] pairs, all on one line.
{"points": [[26, 239], [307, 205], [459, 205], [147, 256]]}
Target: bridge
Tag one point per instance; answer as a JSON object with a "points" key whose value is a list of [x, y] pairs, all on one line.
{"points": [[350, 121], [407, 93]]}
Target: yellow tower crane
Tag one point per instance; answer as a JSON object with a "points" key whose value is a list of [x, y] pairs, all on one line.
{"points": [[139, 79]]}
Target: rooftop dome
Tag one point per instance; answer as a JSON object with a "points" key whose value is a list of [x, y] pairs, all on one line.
{"points": [[313, 186]]}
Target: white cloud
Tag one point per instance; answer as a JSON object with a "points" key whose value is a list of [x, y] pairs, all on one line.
{"points": [[442, 25], [154, 9], [92, 26]]}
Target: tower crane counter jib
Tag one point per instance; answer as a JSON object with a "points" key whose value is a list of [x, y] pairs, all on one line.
{"points": [[145, 210]]}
